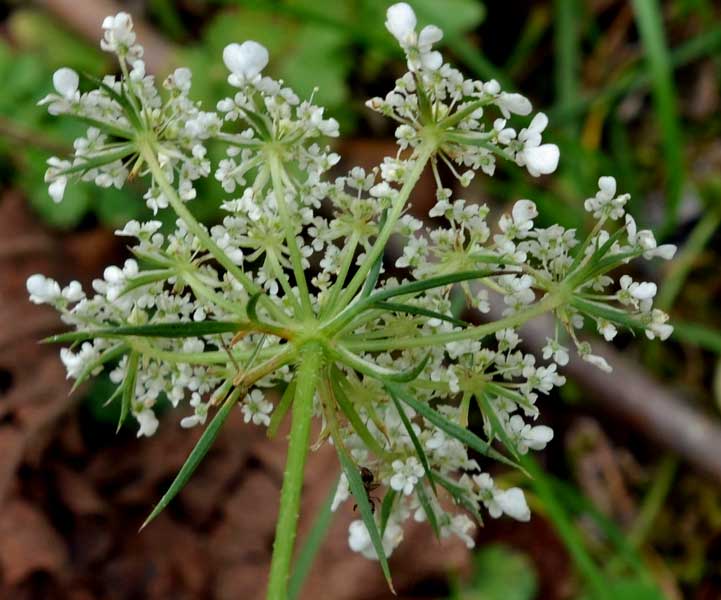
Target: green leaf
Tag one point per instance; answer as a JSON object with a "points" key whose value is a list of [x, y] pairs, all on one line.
{"points": [[649, 19], [630, 589], [373, 274], [500, 573], [428, 507], [416, 287], [371, 369], [414, 438], [606, 312], [358, 490], [700, 335], [307, 553], [417, 310], [281, 410], [106, 355], [387, 508], [459, 495], [356, 422], [131, 374], [487, 409], [196, 455], [165, 330], [463, 435]]}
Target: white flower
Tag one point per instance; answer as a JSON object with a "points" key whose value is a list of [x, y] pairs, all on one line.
{"points": [[539, 159], [257, 408], [401, 22], [73, 292], [513, 502], [66, 83], [554, 350], [57, 189], [657, 327], [244, 61], [42, 290], [598, 361], [643, 290], [119, 36], [76, 362], [359, 539], [406, 475], [147, 421], [510, 103], [342, 492]]}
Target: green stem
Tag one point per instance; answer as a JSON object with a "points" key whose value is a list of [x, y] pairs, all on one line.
{"points": [[348, 254], [148, 153], [290, 235], [307, 381], [550, 302], [425, 151]]}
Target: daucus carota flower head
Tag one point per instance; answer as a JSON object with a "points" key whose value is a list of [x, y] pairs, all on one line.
{"points": [[282, 294]]}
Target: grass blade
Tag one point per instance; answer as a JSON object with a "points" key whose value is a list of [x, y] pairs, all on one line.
{"points": [[196, 455], [650, 26]]}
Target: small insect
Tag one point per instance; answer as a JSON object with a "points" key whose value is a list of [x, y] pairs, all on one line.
{"points": [[369, 484]]}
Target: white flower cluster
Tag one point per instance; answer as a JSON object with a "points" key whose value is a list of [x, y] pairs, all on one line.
{"points": [[118, 110], [200, 317]]}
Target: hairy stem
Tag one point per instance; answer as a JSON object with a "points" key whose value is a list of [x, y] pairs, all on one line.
{"points": [[285, 532]]}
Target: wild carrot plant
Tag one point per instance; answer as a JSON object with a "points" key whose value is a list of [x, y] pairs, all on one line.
{"points": [[290, 291]]}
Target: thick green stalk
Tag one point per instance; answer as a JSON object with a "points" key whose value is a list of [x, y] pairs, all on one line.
{"points": [[290, 237], [424, 153], [307, 380], [550, 302]]}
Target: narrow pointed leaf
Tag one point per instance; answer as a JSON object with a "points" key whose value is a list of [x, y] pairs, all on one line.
{"points": [[308, 551], [420, 311], [606, 312], [387, 508], [196, 455], [377, 372], [460, 495], [454, 430], [428, 507], [487, 409], [131, 374], [414, 438], [281, 410], [359, 493], [162, 330], [416, 287], [354, 418], [370, 283], [106, 355]]}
